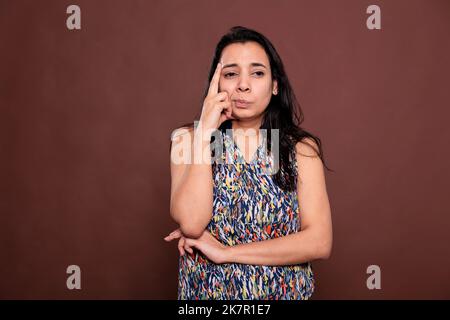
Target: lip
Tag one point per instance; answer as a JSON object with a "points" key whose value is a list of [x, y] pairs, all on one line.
{"points": [[241, 103]]}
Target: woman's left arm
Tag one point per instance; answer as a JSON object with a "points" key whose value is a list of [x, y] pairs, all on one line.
{"points": [[315, 239], [313, 242]]}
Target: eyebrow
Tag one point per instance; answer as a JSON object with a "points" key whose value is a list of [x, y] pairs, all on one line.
{"points": [[253, 64]]}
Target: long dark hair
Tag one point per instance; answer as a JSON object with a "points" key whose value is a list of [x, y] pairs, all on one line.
{"points": [[283, 111]]}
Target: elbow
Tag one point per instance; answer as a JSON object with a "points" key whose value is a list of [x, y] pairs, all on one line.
{"points": [[190, 227], [324, 249], [191, 230], [173, 213], [325, 253]]}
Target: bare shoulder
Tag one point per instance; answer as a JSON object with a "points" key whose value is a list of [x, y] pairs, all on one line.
{"points": [[307, 147], [181, 133], [311, 186], [181, 147], [309, 164]]}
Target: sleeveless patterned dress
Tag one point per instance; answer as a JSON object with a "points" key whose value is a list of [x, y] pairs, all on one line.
{"points": [[248, 206]]}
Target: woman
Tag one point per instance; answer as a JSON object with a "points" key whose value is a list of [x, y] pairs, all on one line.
{"points": [[240, 235]]}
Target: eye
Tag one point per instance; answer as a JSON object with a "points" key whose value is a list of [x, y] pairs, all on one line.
{"points": [[230, 74]]}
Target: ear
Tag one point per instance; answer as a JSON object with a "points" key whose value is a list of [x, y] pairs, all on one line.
{"points": [[275, 87]]}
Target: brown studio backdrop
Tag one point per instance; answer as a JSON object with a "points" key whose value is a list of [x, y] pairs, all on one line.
{"points": [[86, 118]]}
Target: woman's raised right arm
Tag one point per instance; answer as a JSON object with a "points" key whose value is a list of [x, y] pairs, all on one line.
{"points": [[191, 196]]}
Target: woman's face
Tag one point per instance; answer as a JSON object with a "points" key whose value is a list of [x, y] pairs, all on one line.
{"points": [[246, 76]]}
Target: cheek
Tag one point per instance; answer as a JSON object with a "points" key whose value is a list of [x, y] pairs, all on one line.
{"points": [[264, 95], [265, 91], [263, 85], [225, 86]]}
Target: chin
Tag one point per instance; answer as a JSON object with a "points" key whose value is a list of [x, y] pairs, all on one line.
{"points": [[242, 112]]}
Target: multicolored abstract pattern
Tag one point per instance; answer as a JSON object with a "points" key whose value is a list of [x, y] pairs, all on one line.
{"points": [[248, 206]]}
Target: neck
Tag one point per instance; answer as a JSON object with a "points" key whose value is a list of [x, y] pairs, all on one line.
{"points": [[246, 124]]}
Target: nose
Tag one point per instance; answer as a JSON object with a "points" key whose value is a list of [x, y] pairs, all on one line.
{"points": [[243, 85]]}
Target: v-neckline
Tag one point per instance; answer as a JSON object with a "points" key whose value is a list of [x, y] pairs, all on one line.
{"points": [[240, 154]]}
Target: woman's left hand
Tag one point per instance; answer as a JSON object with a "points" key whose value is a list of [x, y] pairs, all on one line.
{"points": [[213, 249]]}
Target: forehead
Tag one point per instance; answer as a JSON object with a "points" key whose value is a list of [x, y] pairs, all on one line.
{"points": [[244, 53]]}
